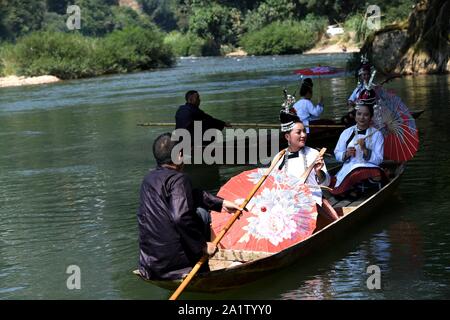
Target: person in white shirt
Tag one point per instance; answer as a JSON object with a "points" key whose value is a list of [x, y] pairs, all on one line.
{"points": [[360, 148], [304, 108], [299, 157]]}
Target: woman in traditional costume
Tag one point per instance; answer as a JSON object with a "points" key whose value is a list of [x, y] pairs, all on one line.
{"points": [[299, 157], [360, 148]]}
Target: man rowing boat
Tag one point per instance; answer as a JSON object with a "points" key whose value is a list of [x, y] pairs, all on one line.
{"points": [[174, 221]]}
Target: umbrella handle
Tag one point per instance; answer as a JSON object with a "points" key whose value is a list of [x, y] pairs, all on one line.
{"points": [[306, 174], [222, 233]]}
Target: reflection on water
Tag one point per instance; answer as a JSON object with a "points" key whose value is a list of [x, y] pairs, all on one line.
{"points": [[72, 159]]}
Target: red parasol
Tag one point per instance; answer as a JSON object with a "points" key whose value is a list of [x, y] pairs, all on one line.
{"points": [[319, 71], [392, 117], [281, 213]]}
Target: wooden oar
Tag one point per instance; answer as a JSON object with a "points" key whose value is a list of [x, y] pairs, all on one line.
{"points": [[246, 124], [222, 233]]}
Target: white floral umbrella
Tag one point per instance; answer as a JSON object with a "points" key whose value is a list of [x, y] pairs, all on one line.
{"points": [[280, 214]]}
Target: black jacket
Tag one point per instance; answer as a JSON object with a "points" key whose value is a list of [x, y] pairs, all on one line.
{"points": [[170, 232], [187, 114]]}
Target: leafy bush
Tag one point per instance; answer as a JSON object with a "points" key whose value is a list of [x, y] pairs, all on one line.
{"points": [[286, 37], [184, 45], [134, 49], [71, 55], [60, 54], [7, 60]]}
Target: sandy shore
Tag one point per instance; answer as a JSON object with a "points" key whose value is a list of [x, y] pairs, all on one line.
{"points": [[238, 53], [334, 48], [15, 81]]}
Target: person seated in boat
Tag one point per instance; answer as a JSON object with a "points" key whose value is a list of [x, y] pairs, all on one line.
{"points": [[174, 224], [190, 112], [360, 148], [304, 108], [299, 157]]}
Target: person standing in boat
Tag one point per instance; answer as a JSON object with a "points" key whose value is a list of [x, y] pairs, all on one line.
{"points": [[190, 112], [299, 157], [364, 74], [304, 108], [364, 77], [360, 148], [174, 224]]}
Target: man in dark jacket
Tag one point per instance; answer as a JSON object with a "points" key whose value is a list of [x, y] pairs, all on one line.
{"points": [[190, 112], [172, 236]]}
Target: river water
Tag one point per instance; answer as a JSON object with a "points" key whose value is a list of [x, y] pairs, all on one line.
{"points": [[72, 160]]}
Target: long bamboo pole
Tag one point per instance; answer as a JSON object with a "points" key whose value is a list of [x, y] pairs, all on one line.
{"points": [[222, 233], [237, 124]]}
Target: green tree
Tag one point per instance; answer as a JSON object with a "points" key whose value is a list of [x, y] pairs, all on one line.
{"points": [[335, 10], [97, 18], [125, 17], [18, 17], [268, 12], [54, 22], [58, 6], [217, 23], [161, 12]]}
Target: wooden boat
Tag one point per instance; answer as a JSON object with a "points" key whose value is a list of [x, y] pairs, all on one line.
{"points": [[234, 268], [239, 149], [328, 137]]}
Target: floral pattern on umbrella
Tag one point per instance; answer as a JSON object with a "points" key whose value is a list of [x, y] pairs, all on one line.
{"points": [[280, 214]]}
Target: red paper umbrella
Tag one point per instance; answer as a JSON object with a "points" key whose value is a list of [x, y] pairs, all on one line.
{"points": [[392, 117], [318, 71], [280, 214]]}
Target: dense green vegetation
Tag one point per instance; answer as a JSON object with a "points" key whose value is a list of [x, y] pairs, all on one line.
{"points": [[189, 27], [283, 37]]}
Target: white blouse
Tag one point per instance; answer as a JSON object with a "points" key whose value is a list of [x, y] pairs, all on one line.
{"points": [[374, 142], [306, 111], [297, 166]]}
